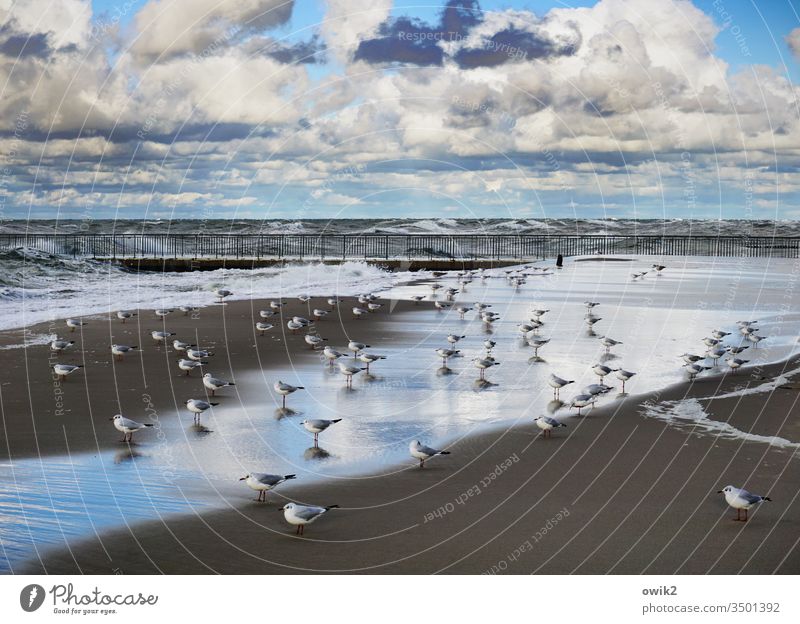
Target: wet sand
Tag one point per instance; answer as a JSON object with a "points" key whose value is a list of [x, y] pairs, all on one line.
{"points": [[614, 492]]}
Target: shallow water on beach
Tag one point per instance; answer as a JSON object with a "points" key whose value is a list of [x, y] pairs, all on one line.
{"points": [[182, 469]]}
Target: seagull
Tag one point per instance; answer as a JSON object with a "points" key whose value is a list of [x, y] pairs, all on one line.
{"points": [[62, 370], [127, 426], [489, 345], [441, 306], [374, 307], [197, 407], [319, 314], [421, 452], [557, 383], [186, 309], [119, 351], [214, 384], [453, 338], [483, 364], [547, 424], [690, 358], [369, 358], [265, 314], [332, 354], [197, 354], [417, 298], [162, 312], [608, 343], [659, 268], [446, 354], [540, 313], [333, 302], [359, 312], [715, 354], [581, 401], [301, 515], [435, 287], [313, 340], [592, 320], [739, 499], [181, 346], [462, 311], [318, 425], [755, 339], [124, 316], [695, 369], [735, 363], [624, 376], [294, 326], [596, 389], [263, 483], [537, 343], [719, 334], [602, 371], [276, 305], [285, 390], [60, 345], [221, 293], [591, 304], [348, 372], [304, 298], [711, 342], [189, 365], [161, 336], [262, 327], [303, 321], [74, 323], [356, 347]]}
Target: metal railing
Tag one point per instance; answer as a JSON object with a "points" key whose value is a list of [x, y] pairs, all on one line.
{"points": [[393, 246]]}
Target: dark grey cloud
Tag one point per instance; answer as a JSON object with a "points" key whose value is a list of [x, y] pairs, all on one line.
{"points": [[514, 44], [410, 41], [304, 52]]}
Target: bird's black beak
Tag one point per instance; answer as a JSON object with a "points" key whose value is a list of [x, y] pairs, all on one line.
{"points": [[243, 478], [112, 418], [719, 491]]}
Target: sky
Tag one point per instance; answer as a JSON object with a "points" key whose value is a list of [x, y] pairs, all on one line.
{"points": [[342, 109]]}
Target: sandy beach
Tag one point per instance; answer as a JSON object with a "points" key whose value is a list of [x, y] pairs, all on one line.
{"points": [[622, 489]]}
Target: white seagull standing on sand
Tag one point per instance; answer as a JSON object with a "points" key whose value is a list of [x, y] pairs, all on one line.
{"points": [[446, 354], [369, 358], [127, 426], [318, 425], [124, 316], [332, 355], [285, 390], [262, 483], [221, 293], [160, 337], [454, 338], [602, 371], [319, 314], [359, 312], [74, 324], [162, 313], [214, 384], [421, 452], [624, 376], [483, 364], [356, 347], [608, 343], [189, 365], [740, 499], [348, 372], [58, 345], [547, 424], [119, 351], [178, 345], [197, 407], [197, 354], [314, 341], [301, 515], [581, 401], [265, 314], [262, 327], [557, 383], [62, 370]]}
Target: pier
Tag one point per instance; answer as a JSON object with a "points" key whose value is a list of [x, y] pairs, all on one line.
{"points": [[407, 251]]}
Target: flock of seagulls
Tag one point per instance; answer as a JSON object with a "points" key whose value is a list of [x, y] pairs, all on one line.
{"points": [[193, 357]]}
